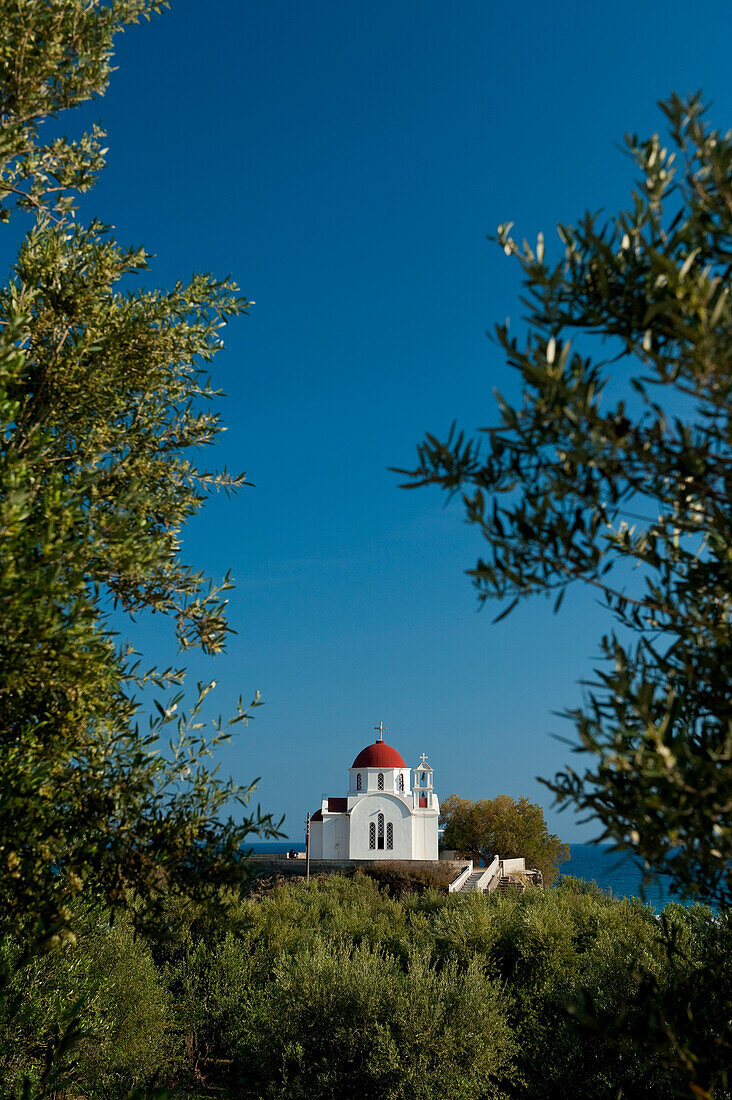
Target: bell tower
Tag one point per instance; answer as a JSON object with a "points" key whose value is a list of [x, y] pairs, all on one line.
{"points": [[423, 786]]}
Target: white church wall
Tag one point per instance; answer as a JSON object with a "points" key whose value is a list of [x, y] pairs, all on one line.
{"points": [[396, 813], [370, 781], [316, 839], [424, 836], [341, 831], [334, 831]]}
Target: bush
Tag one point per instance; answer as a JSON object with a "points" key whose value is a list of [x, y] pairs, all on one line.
{"points": [[324, 988], [399, 877], [109, 1001], [332, 1021]]}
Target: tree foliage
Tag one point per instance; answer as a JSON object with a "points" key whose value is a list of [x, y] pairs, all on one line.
{"points": [[316, 986], [503, 826], [614, 471], [104, 402]]}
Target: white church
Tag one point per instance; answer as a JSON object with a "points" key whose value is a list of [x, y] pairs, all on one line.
{"points": [[385, 815]]}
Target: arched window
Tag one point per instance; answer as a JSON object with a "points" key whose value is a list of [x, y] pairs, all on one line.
{"points": [[380, 783], [381, 830], [358, 781], [401, 781], [424, 777], [389, 835], [372, 835]]}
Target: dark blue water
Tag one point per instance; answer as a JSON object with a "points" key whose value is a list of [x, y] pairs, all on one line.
{"points": [[619, 875], [266, 847]]}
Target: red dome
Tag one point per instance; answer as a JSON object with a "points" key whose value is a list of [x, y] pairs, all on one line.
{"points": [[378, 755]]}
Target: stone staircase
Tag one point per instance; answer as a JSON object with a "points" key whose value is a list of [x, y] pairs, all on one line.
{"points": [[508, 876], [480, 880], [471, 883], [507, 885]]}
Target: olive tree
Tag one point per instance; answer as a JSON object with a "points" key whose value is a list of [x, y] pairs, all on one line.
{"points": [[503, 826], [104, 402], [628, 491]]}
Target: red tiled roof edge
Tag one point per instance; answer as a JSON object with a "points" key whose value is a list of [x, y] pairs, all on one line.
{"points": [[335, 806]]}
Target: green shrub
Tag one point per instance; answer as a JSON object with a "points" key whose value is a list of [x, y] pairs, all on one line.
{"points": [[350, 1020], [400, 877], [333, 987], [106, 995]]}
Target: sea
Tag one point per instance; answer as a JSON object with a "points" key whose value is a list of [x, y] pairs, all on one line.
{"points": [[620, 876]]}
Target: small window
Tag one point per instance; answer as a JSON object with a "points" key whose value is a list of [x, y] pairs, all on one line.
{"points": [[381, 830], [380, 783], [358, 781], [372, 835], [401, 781], [390, 835]]}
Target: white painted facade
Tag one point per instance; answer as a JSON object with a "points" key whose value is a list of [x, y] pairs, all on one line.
{"points": [[390, 812]]}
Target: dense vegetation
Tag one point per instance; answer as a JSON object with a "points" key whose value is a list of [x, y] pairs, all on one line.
{"points": [[319, 987], [105, 405]]}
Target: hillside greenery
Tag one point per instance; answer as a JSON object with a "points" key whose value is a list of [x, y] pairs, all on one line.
{"points": [[335, 988]]}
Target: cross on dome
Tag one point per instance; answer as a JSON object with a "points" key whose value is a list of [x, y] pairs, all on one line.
{"points": [[381, 727]]}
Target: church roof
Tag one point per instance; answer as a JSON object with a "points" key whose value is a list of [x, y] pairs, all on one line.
{"points": [[378, 755], [335, 806]]}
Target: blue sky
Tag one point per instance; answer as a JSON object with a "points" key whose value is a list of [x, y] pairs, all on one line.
{"points": [[344, 163]]}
